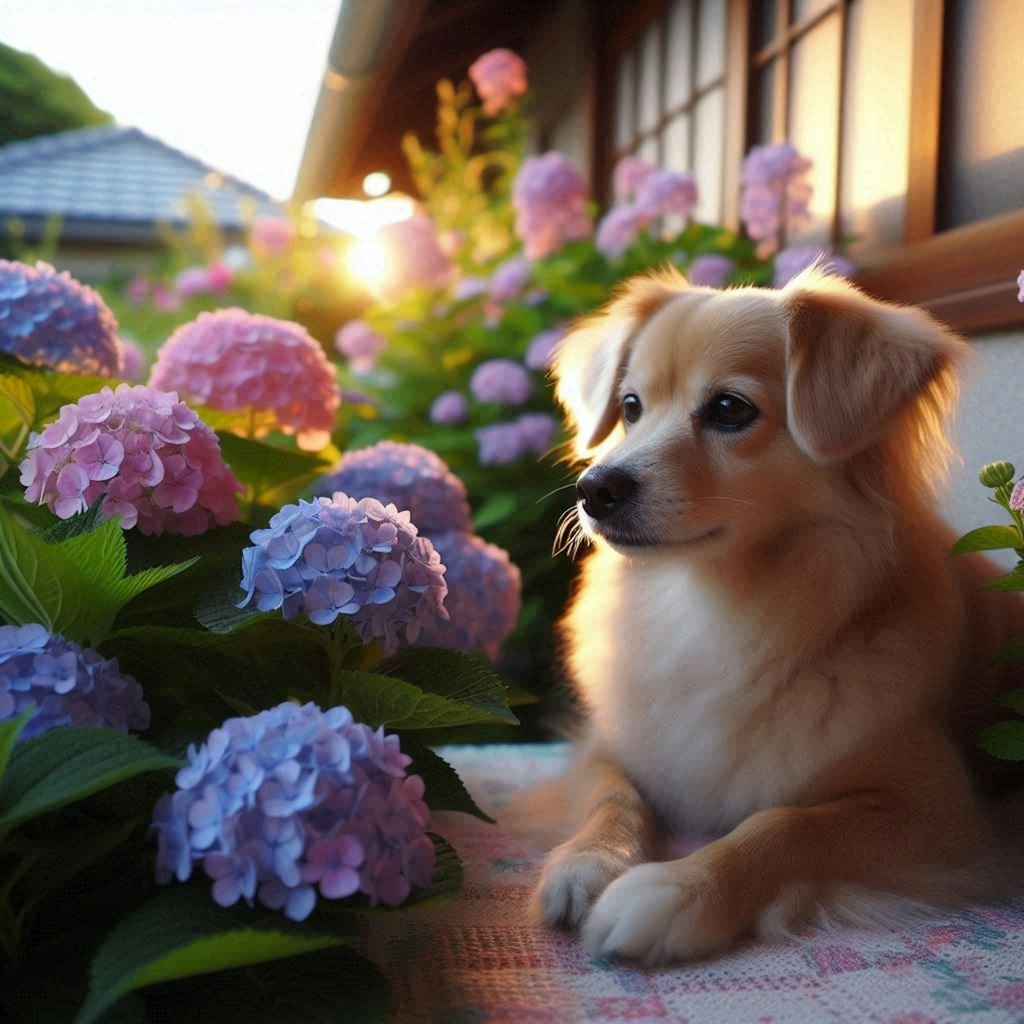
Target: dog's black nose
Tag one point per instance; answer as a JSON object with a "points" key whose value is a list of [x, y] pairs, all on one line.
{"points": [[601, 488]]}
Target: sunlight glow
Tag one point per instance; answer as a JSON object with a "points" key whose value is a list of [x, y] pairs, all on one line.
{"points": [[377, 184], [367, 262], [363, 218]]}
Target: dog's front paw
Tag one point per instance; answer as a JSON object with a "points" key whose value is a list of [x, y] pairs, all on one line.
{"points": [[658, 914], [574, 875]]}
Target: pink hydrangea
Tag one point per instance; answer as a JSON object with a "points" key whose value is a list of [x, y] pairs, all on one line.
{"points": [[710, 270], [164, 300], [360, 344], [212, 280], [542, 348], [499, 77], [233, 360], [617, 230], [133, 360], [666, 193], [630, 173], [1017, 495], [145, 453], [413, 256], [776, 193], [551, 205], [789, 263], [274, 235]]}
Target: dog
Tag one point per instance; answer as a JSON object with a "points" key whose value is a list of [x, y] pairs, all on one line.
{"points": [[769, 640]]}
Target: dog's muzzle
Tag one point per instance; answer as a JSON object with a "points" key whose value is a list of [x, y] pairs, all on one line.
{"points": [[602, 489]]}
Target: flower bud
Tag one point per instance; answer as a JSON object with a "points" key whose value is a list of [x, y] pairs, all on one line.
{"points": [[997, 474]]}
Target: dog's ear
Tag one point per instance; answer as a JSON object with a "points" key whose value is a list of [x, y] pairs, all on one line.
{"points": [[854, 364], [591, 360]]}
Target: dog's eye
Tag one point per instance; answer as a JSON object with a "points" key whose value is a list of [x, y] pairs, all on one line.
{"points": [[727, 411], [631, 408]]}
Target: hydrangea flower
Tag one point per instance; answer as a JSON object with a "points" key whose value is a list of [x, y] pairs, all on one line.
{"points": [[776, 193], [338, 556], [629, 174], [292, 802], [509, 279], [499, 77], [413, 255], [360, 344], [502, 443], [450, 408], [789, 263], [666, 193], [67, 684], [550, 198], [710, 270], [483, 599], [150, 458], [542, 348], [617, 230], [133, 362], [413, 479], [49, 319], [501, 380], [469, 287], [1016, 496], [232, 360], [273, 235], [212, 280]]}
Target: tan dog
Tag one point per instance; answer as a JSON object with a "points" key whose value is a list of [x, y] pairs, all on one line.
{"points": [[769, 639]]}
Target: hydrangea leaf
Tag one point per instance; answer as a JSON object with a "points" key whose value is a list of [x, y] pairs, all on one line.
{"points": [[182, 933], [50, 390], [17, 413], [74, 587], [1004, 740], [445, 790], [66, 764], [81, 522], [1013, 580], [315, 988], [454, 675], [397, 704], [987, 538], [9, 733], [274, 476], [1013, 699]]}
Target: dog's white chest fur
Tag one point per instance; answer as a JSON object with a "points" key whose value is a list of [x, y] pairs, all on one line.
{"points": [[687, 698]]}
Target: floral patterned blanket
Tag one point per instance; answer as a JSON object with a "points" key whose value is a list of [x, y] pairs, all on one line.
{"points": [[480, 959]]}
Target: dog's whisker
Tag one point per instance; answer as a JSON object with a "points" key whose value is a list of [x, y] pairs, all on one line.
{"points": [[555, 490]]}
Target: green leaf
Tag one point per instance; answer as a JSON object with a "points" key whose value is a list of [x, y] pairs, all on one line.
{"points": [[83, 522], [74, 587], [1004, 740], [275, 476], [495, 509], [445, 790], [987, 538], [464, 678], [1013, 580], [67, 764], [1012, 699], [9, 733], [182, 933], [396, 704]]}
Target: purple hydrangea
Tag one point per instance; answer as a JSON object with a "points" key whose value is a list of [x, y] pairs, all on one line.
{"points": [[509, 279], [414, 257], [67, 684], [617, 230], [360, 344], [450, 408], [133, 365], [338, 556], [551, 204], [710, 270], [411, 478], [483, 595], [789, 263], [294, 801], [1017, 496], [469, 287], [49, 319], [776, 193], [502, 443], [542, 348], [630, 173], [503, 381], [664, 194]]}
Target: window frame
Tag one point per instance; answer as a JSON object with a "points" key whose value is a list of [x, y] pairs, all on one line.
{"points": [[959, 274]]}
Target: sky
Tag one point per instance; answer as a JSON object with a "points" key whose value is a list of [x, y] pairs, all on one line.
{"points": [[233, 82]]}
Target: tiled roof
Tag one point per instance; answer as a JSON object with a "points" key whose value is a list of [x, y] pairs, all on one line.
{"points": [[114, 183]]}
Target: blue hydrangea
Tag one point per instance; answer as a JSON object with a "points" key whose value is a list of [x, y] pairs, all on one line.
{"points": [[483, 595], [407, 476], [67, 684], [292, 802], [338, 556], [49, 319]]}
